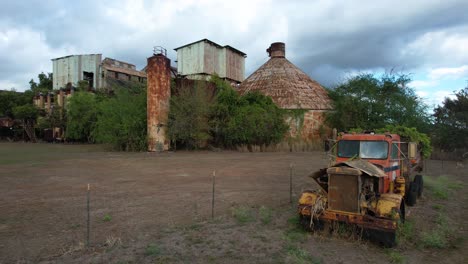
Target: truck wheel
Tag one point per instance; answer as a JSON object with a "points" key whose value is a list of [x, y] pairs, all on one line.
{"points": [[418, 179], [412, 194]]}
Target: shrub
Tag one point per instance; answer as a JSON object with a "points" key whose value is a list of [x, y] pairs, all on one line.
{"points": [[121, 120]]}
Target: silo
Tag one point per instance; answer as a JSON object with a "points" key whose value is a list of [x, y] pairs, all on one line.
{"points": [[158, 94]]}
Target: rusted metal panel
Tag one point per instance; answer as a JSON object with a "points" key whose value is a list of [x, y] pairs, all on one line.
{"points": [[344, 192], [287, 85], [200, 59], [159, 92]]}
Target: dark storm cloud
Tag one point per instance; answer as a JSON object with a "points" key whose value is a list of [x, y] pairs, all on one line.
{"points": [[327, 39], [376, 43]]}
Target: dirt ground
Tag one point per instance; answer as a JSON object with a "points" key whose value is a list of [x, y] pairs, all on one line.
{"points": [[156, 208]]}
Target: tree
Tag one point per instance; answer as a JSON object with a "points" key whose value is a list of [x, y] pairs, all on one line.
{"points": [[81, 116], [121, 119], [26, 112], [11, 99], [45, 83], [368, 102], [451, 122], [252, 119], [188, 117]]}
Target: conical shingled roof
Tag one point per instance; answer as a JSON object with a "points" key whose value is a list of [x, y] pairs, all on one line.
{"points": [[286, 84]]}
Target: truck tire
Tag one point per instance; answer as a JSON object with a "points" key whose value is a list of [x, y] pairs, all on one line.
{"points": [[412, 194], [418, 179]]}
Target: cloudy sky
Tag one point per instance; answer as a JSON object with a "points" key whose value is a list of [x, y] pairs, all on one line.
{"points": [[328, 39]]}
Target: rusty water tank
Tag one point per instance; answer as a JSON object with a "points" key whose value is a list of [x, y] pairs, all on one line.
{"points": [[158, 94]]}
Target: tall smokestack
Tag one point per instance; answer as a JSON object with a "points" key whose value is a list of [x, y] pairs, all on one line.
{"points": [[158, 73], [277, 49]]}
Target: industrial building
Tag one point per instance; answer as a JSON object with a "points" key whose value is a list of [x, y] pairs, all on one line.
{"points": [[291, 88], [69, 70], [200, 59]]}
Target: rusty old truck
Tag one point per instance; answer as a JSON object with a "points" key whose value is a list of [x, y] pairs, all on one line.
{"points": [[367, 186]]}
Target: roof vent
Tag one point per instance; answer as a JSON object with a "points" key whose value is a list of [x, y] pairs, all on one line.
{"points": [[277, 49]]}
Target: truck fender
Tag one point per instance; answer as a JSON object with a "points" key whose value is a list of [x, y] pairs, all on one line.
{"points": [[388, 205]]}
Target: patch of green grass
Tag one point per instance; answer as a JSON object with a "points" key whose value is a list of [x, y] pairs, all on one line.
{"points": [[434, 239], [405, 231], [107, 218], [441, 187], [265, 215], [437, 207], [242, 214], [298, 255], [295, 235], [395, 256], [152, 250], [439, 236]]}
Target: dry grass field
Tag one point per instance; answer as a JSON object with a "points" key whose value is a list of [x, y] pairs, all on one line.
{"points": [[156, 208]]}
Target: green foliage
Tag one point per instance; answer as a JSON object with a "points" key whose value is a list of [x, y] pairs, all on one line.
{"points": [[367, 101], [188, 117], [252, 119], [265, 214], [152, 250], [25, 112], [411, 134], [395, 256], [441, 187], [81, 116], [107, 218], [57, 118], [299, 255], [242, 214], [121, 120], [11, 99], [405, 231], [451, 122], [45, 83]]}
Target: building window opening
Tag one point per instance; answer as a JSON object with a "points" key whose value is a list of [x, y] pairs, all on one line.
{"points": [[89, 77]]}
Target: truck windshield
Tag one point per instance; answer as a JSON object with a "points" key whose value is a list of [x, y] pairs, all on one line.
{"points": [[363, 149]]}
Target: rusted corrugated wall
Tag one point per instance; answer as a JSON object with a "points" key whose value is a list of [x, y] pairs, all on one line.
{"points": [[159, 93]]}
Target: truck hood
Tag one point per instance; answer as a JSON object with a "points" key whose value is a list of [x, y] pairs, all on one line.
{"points": [[362, 165]]}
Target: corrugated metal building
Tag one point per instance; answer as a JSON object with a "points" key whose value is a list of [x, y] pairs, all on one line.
{"points": [[69, 70], [291, 88], [200, 59], [74, 68]]}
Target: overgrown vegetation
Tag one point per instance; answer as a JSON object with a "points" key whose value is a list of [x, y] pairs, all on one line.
{"points": [[227, 120], [411, 134], [82, 116], [242, 214], [121, 119], [368, 101], [451, 122], [441, 187], [189, 116]]}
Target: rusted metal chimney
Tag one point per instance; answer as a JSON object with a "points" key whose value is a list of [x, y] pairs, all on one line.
{"points": [[277, 49], [158, 73]]}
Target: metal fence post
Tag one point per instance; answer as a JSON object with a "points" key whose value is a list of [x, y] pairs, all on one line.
{"points": [[213, 195], [88, 218], [290, 182]]}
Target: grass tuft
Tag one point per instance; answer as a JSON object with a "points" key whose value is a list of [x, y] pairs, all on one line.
{"points": [[298, 255], [242, 214], [405, 231], [265, 215], [395, 257], [152, 250], [441, 187], [107, 218]]}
